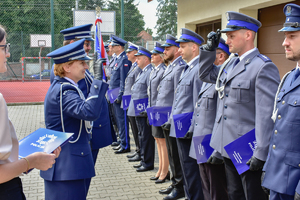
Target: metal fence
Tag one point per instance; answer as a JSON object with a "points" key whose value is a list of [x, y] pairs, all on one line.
{"points": [[22, 18]]}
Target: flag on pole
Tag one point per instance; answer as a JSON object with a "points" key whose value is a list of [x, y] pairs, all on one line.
{"points": [[100, 49]]}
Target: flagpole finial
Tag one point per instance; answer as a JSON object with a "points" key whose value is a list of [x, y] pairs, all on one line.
{"points": [[98, 10]]}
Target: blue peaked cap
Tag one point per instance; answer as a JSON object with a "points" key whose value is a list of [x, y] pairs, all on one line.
{"points": [[143, 52], [131, 47], [116, 41], [223, 46], [73, 51], [237, 21], [190, 36], [170, 41], [78, 32], [158, 48], [292, 21]]}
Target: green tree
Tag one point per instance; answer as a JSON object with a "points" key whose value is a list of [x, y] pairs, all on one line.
{"points": [[167, 18], [133, 20]]}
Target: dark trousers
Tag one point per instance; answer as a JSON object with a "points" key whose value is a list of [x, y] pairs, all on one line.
{"points": [[123, 129], [190, 169], [213, 179], [113, 123], [277, 196], [147, 142], [135, 132], [246, 186], [177, 177], [12, 190]]}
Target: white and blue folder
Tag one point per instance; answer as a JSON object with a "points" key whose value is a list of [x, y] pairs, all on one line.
{"points": [[42, 140]]}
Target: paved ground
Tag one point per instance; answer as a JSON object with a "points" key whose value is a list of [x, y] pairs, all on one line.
{"points": [[115, 177]]}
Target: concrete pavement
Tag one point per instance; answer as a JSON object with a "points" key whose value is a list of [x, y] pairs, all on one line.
{"points": [[115, 177]]}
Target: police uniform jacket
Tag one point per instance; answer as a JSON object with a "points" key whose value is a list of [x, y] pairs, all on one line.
{"points": [[139, 88], [75, 160], [283, 162], [186, 93], [249, 93], [131, 76], [119, 73], [101, 127], [204, 113], [155, 78], [169, 83], [108, 68]]}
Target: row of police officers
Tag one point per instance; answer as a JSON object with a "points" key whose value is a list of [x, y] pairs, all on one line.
{"points": [[229, 87]]}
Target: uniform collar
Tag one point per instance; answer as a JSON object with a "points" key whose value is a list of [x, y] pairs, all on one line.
{"points": [[247, 53], [120, 55], [191, 62], [71, 81]]}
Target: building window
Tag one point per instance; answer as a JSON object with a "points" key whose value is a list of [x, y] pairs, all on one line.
{"points": [[205, 28]]}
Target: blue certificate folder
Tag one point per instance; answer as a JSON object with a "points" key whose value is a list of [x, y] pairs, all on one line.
{"points": [[182, 123], [202, 148], [241, 150], [140, 105], [113, 94], [126, 101], [42, 140], [159, 115]]}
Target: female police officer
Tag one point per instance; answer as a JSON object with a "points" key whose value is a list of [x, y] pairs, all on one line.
{"points": [[67, 110]]}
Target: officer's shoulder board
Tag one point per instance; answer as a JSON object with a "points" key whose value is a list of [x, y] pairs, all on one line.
{"points": [[66, 87], [264, 58], [181, 62]]}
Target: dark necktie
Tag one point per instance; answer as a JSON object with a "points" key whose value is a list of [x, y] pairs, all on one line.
{"points": [[236, 62], [296, 74], [186, 67]]}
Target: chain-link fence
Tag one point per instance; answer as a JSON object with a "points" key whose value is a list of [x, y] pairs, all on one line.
{"points": [[23, 18]]}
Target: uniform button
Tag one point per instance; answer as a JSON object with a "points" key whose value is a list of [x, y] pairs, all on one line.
{"points": [[100, 125], [225, 106], [198, 105], [196, 124], [295, 102], [299, 165], [95, 86], [278, 98], [225, 117], [176, 99], [283, 102], [275, 131], [279, 116], [197, 114], [239, 85], [206, 95], [81, 153], [226, 95], [274, 146]]}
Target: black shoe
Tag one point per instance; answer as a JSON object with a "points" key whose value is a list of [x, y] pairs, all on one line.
{"points": [[166, 191], [163, 180], [175, 194], [121, 150], [154, 178], [131, 155], [137, 157], [114, 144], [117, 147], [143, 169], [137, 165]]}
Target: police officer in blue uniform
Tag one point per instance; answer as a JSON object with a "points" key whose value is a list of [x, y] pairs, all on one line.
{"points": [[246, 83], [212, 173], [117, 80], [139, 91], [67, 110], [165, 98], [129, 81], [282, 169], [185, 98], [157, 59]]}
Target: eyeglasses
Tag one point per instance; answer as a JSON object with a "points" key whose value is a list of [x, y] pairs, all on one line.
{"points": [[6, 47]]}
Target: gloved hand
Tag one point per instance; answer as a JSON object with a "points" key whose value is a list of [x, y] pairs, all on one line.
{"points": [[166, 126], [188, 135], [214, 160], [98, 68], [266, 190], [255, 164], [117, 100], [297, 196], [143, 113], [213, 39]]}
